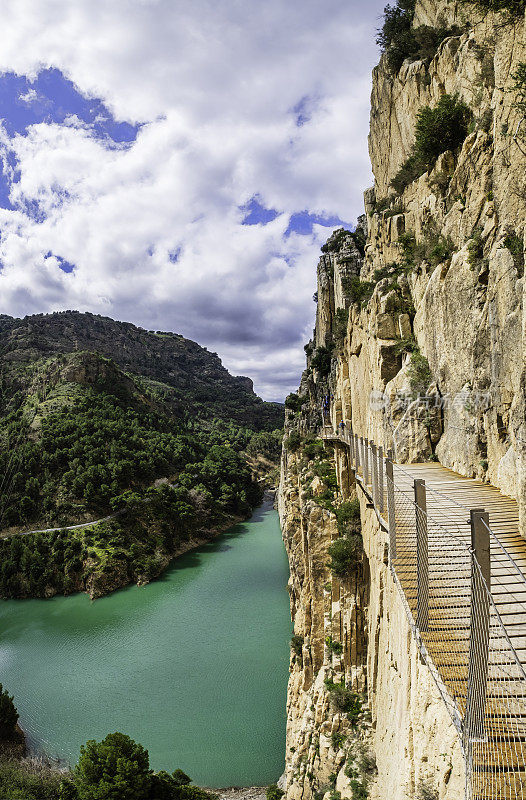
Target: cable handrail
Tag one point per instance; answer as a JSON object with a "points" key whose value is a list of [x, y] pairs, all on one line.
{"points": [[443, 571]]}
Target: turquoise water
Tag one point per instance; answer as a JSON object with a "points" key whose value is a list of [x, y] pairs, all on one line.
{"points": [[193, 666]]}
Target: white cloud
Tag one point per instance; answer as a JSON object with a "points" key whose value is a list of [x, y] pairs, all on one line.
{"points": [[215, 85]]}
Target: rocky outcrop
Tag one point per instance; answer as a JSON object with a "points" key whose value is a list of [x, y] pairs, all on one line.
{"points": [[419, 346]]}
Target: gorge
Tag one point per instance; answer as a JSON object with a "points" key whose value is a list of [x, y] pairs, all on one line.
{"points": [[407, 672], [418, 348]]}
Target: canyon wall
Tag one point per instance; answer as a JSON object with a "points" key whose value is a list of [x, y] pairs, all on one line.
{"points": [[419, 345]]}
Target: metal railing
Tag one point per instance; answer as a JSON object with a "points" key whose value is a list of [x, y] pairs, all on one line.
{"points": [[445, 580]]}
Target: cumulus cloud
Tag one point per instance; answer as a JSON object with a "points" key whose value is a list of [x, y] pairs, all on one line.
{"points": [[232, 101]]}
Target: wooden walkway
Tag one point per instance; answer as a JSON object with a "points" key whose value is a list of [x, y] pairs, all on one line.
{"points": [[499, 769], [497, 759]]}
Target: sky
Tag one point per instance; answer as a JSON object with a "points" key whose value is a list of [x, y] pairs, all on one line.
{"points": [[179, 164]]}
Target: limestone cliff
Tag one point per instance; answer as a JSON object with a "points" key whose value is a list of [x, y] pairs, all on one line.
{"points": [[419, 345]]}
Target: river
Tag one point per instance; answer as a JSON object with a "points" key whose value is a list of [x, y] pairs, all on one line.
{"points": [[194, 666]]}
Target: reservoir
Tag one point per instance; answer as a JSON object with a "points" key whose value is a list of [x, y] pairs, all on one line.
{"points": [[193, 666]]}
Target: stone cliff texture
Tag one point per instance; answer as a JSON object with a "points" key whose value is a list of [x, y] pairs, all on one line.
{"points": [[419, 344]]}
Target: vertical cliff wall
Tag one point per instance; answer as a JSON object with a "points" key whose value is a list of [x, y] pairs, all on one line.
{"points": [[419, 344]]}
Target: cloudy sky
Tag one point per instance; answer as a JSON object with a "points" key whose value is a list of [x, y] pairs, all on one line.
{"points": [[178, 164]]}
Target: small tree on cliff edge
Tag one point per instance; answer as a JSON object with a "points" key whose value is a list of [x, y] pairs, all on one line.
{"points": [[8, 714]]}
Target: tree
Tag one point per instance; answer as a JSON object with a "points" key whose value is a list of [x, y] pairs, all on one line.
{"points": [[8, 714], [115, 769]]}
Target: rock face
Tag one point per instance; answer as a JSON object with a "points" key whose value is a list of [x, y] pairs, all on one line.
{"points": [[424, 324]]}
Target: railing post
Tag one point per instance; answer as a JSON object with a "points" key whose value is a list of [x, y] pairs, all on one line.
{"points": [[391, 504], [381, 479], [374, 473], [479, 625], [351, 446], [357, 451], [422, 557], [366, 461]]}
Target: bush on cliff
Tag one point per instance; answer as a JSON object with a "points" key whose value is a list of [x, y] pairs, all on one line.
{"points": [[274, 792], [348, 517], [294, 401], [419, 373], [443, 127], [344, 554], [356, 290], [344, 700], [513, 7], [396, 37], [399, 40], [321, 360], [293, 441]]}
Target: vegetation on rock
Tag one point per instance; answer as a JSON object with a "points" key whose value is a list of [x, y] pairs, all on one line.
{"points": [[274, 792], [344, 554], [321, 360], [400, 40], [513, 7], [438, 129], [419, 373]]}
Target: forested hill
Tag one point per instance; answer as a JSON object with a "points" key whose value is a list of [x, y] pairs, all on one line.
{"points": [[158, 437], [196, 378]]}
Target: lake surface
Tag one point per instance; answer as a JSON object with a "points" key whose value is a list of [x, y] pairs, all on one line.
{"points": [[193, 666]]}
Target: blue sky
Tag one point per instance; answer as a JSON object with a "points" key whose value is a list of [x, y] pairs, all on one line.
{"points": [[179, 165]]}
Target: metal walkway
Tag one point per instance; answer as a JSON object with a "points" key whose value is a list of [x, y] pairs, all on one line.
{"points": [[460, 564]]}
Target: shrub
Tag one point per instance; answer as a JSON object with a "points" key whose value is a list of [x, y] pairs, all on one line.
{"points": [[296, 644], [344, 554], [429, 39], [274, 792], [348, 517], [515, 8], [399, 40], [396, 36], [313, 448], [515, 245], [327, 473], [8, 714], [438, 129], [359, 791], [434, 249], [293, 441], [441, 128], [294, 401], [322, 360], [334, 647], [519, 87], [407, 243], [356, 290], [410, 170], [419, 373], [339, 326], [345, 700], [337, 740]]}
